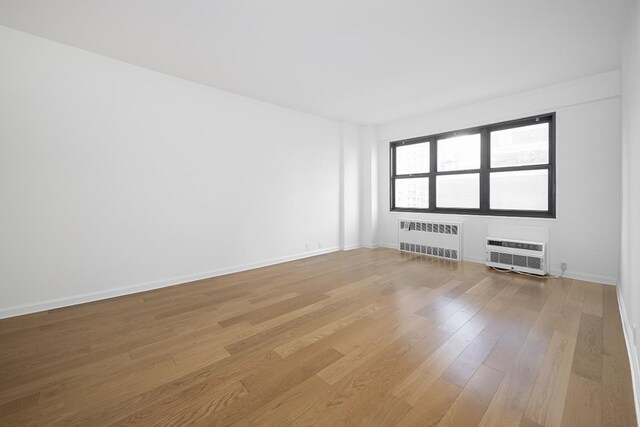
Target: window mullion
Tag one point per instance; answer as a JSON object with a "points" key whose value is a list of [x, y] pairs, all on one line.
{"points": [[552, 168], [392, 180], [485, 158], [433, 159]]}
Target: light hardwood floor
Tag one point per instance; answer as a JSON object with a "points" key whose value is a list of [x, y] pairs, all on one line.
{"points": [[365, 337]]}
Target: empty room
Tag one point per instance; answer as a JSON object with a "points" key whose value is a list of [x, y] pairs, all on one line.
{"points": [[319, 213]]}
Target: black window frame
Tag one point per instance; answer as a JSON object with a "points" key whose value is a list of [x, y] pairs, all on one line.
{"points": [[484, 171]]}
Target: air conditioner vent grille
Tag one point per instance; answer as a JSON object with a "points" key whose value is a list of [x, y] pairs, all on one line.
{"points": [[505, 258], [520, 260], [533, 262], [515, 245], [516, 260]]}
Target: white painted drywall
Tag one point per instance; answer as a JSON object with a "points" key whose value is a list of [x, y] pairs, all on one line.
{"points": [[369, 187], [114, 178], [586, 233], [629, 288], [351, 177]]}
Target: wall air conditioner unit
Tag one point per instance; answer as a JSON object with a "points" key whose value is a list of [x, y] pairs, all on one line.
{"points": [[517, 255], [437, 239]]}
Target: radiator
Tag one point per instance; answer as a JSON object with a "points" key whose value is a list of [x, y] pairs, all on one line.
{"points": [[436, 239]]}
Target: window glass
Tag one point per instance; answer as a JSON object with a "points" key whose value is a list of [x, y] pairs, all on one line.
{"points": [[525, 145], [412, 158], [520, 190], [459, 153], [458, 191], [412, 192]]}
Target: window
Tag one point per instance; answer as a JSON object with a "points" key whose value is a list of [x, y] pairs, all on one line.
{"points": [[500, 169]]}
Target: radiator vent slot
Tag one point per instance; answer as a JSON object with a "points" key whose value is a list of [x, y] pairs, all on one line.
{"points": [[437, 239], [430, 227], [429, 250]]}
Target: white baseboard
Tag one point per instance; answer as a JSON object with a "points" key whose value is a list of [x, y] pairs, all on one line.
{"points": [[116, 292], [363, 245], [353, 246], [586, 277], [360, 246], [631, 350], [387, 245]]}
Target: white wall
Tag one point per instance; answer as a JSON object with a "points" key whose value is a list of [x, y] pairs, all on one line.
{"points": [[369, 188], [115, 178], [629, 289], [586, 233], [351, 182]]}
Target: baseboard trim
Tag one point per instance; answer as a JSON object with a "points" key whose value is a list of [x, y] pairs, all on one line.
{"points": [[586, 277], [631, 350], [386, 245], [148, 286], [353, 246]]}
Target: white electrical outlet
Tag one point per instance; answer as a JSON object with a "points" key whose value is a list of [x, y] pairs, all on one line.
{"points": [[306, 246], [563, 266], [319, 245]]}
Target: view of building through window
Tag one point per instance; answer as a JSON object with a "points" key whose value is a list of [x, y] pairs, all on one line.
{"points": [[526, 145], [413, 193]]}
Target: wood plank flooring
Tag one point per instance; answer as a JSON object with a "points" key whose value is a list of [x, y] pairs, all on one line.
{"points": [[365, 337]]}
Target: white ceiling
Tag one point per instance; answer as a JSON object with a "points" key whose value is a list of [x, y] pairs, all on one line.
{"points": [[365, 61]]}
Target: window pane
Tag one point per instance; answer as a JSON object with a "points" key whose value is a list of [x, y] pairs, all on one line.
{"points": [[520, 190], [459, 153], [458, 191], [412, 193], [526, 145], [413, 158]]}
